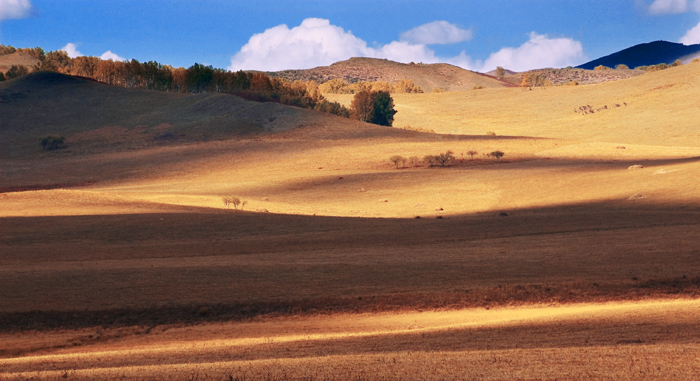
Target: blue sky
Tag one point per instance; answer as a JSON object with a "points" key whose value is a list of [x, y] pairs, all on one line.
{"points": [[275, 34]]}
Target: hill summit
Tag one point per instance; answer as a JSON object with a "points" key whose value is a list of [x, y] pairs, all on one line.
{"points": [[428, 76]]}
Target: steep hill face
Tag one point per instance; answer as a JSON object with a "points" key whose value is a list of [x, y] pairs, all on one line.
{"points": [[647, 54], [93, 115], [428, 76]]}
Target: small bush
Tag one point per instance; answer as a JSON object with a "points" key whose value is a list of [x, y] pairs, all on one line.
{"points": [[396, 159], [52, 142], [622, 67], [497, 155], [490, 133], [472, 153], [601, 67], [444, 159]]}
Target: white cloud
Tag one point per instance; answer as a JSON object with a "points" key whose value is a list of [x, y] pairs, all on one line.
{"points": [[660, 7], [14, 9], [316, 42], [692, 36], [108, 55], [72, 50], [436, 32], [539, 51], [668, 6], [404, 52], [313, 43]]}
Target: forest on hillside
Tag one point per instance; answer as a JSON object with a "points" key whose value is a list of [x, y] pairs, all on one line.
{"points": [[197, 78]]}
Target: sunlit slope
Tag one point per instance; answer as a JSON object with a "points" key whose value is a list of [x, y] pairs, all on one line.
{"points": [[658, 108], [619, 340]]}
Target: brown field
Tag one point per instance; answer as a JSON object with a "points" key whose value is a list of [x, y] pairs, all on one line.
{"points": [[119, 260]]}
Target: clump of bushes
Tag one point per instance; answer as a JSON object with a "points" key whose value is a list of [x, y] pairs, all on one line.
{"points": [[235, 201], [443, 159], [497, 155], [339, 86], [52, 142]]}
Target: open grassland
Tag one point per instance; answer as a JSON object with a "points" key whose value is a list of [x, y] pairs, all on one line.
{"points": [[615, 340], [118, 257]]}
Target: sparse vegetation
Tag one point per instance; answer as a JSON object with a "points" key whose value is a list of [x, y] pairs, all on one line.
{"points": [[52, 142], [443, 159], [339, 86], [396, 159], [472, 153], [497, 155], [235, 201], [490, 133]]}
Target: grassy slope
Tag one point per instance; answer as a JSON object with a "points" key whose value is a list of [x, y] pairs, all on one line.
{"points": [[152, 231], [426, 76]]}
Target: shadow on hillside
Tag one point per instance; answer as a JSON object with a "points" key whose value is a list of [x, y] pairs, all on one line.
{"points": [[192, 267]]}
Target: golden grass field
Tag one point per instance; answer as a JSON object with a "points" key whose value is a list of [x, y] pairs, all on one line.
{"points": [[119, 260]]}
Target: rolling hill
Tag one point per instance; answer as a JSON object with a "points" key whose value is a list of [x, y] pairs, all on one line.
{"points": [[576, 255], [651, 53], [17, 58], [427, 76]]}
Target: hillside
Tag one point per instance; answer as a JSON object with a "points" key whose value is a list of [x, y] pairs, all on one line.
{"points": [[96, 116], [580, 76], [16, 58], [427, 76], [575, 255], [651, 53]]}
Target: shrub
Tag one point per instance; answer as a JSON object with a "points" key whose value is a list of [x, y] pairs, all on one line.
{"points": [[622, 67], [490, 133], [497, 155], [472, 153], [444, 159], [601, 67], [396, 159], [52, 142], [414, 160], [16, 71]]}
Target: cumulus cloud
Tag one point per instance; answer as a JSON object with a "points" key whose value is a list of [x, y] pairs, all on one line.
{"points": [[436, 32], [14, 9], [691, 37], [72, 50], [316, 42], [540, 51], [668, 7], [108, 55], [313, 43]]}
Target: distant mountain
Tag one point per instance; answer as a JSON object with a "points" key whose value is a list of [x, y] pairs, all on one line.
{"points": [[428, 76], [651, 53]]}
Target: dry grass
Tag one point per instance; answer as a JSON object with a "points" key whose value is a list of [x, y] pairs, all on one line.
{"points": [[137, 240], [653, 339]]}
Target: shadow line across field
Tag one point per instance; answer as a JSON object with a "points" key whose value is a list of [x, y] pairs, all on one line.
{"points": [[213, 265]]}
